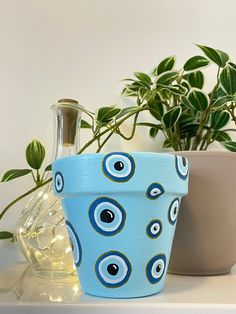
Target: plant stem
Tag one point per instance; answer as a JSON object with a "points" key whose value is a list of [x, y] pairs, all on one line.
{"points": [[133, 129], [203, 144], [104, 142], [38, 178], [229, 130], [35, 181]]}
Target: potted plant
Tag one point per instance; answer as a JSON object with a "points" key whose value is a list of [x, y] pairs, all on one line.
{"points": [[191, 120]]}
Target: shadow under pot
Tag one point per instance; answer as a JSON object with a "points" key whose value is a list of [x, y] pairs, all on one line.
{"points": [[205, 239], [121, 210]]}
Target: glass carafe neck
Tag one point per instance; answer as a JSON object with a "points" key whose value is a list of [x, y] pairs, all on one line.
{"points": [[67, 117]]}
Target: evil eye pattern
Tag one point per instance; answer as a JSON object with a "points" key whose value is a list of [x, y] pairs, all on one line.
{"points": [[181, 165], [58, 181], [154, 191], [75, 243], [119, 167], [156, 268], [154, 228], [113, 269], [107, 216], [173, 211]]}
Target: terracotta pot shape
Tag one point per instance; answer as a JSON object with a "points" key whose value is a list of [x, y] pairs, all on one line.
{"points": [[121, 210], [205, 239]]}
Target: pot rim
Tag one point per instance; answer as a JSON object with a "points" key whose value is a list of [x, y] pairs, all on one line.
{"points": [[200, 153], [140, 154]]}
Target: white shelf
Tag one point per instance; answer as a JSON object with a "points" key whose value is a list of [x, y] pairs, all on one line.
{"points": [[22, 293]]}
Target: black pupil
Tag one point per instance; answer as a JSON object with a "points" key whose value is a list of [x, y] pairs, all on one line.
{"points": [[112, 269], [158, 268], [119, 165], [155, 228], [175, 210], [107, 216], [184, 161], [58, 181]]}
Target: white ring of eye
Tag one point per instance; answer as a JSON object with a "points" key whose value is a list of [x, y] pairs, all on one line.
{"points": [[117, 212], [109, 280], [180, 165], [154, 266], [58, 176], [76, 252], [121, 157], [173, 215], [153, 230], [155, 192]]}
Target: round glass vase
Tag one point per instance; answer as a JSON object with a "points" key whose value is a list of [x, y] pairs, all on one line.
{"points": [[41, 232]]}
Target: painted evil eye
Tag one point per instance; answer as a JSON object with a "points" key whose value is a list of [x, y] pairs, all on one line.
{"points": [[75, 243], [58, 181], [156, 268], [113, 269], [107, 216], [181, 164], [154, 228], [119, 167], [173, 211], [154, 191]]}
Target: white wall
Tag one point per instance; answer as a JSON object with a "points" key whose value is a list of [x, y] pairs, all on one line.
{"points": [[82, 49]]}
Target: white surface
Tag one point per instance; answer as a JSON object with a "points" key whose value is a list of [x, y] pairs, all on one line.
{"points": [[22, 292], [82, 49]]}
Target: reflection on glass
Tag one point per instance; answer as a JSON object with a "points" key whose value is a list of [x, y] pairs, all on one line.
{"points": [[26, 287]]}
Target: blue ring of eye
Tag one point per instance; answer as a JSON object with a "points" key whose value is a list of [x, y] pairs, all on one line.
{"points": [[113, 269], [154, 229], [107, 216], [156, 268], [181, 165], [154, 191], [58, 181], [173, 211], [75, 243], [119, 167]]}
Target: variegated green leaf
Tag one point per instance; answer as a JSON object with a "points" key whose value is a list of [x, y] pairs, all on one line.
{"points": [[35, 154], [195, 79], [217, 56], [228, 80], [15, 173], [171, 117], [230, 145], [221, 136], [195, 62], [6, 235], [167, 77], [85, 125], [143, 77], [224, 100], [219, 119], [106, 114], [198, 99], [165, 65]]}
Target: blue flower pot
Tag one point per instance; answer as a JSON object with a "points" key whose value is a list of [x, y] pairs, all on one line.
{"points": [[121, 211]]}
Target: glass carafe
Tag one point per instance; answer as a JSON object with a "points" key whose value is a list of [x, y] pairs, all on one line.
{"points": [[41, 233]]}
